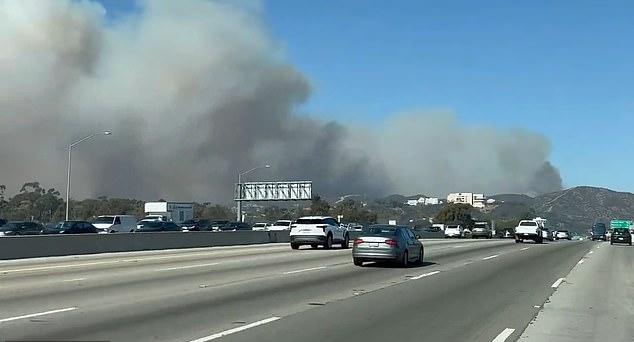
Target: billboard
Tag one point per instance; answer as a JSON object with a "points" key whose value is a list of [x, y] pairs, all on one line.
{"points": [[274, 191]]}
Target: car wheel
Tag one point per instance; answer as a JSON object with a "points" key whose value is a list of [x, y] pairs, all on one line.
{"points": [[294, 246], [314, 246], [328, 243], [517, 241], [421, 255], [405, 261], [357, 262], [346, 242], [611, 242]]}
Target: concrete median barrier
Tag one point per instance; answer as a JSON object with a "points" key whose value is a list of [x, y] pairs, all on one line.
{"points": [[21, 247]]}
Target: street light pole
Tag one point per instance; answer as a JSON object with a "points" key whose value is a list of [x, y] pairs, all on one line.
{"points": [[70, 148], [240, 174]]}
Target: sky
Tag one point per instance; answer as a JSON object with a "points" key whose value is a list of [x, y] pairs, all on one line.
{"points": [[562, 69]]}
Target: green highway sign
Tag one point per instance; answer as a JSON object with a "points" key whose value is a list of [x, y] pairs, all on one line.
{"points": [[616, 224]]}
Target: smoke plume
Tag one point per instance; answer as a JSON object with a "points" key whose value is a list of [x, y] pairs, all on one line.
{"points": [[195, 91]]}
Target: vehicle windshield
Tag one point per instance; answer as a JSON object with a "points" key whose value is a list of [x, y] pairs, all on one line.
{"points": [[307, 221], [528, 224], [379, 231], [104, 219], [9, 227], [151, 224]]}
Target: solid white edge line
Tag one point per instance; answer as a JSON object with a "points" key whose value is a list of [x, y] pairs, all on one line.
{"points": [[557, 283], [235, 330], [424, 275], [15, 318], [525, 248], [305, 270], [580, 262], [590, 252], [42, 268], [186, 267], [504, 335], [491, 257]]}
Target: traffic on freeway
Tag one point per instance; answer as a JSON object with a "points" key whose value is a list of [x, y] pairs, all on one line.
{"points": [[355, 171], [464, 290]]}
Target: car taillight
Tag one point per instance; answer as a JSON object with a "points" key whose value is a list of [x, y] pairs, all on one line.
{"points": [[390, 242], [358, 241]]}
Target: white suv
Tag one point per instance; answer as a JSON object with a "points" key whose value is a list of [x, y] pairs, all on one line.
{"points": [[318, 230]]}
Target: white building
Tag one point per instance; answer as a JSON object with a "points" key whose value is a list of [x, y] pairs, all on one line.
{"points": [[423, 201], [412, 202], [432, 201], [475, 200]]}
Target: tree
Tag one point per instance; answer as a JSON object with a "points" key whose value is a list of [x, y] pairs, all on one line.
{"points": [[353, 211], [319, 207], [456, 213], [528, 214]]}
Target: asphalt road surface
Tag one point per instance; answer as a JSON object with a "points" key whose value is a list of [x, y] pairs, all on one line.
{"points": [[467, 290]]}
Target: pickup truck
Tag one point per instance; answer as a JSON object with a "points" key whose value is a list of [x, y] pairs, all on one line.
{"points": [[528, 230]]}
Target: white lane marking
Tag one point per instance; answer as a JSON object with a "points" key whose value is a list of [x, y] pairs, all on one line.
{"points": [[525, 248], [504, 335], [186, 267], [3, 320], [235, 330], [76, 279], [591, 252], [58, 266], [424, 275], [305, 270], [557, 283], [458, 246], [491, 257], [580, 262], [536, 306]]}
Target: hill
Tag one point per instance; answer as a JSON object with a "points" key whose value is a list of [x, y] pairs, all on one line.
{"points": [[580, 207]]}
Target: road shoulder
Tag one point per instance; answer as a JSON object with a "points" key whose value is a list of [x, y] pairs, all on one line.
{"points": [[595, 302]]}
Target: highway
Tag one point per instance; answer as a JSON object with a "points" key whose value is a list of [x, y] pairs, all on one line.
{"points": [[467, 290]]}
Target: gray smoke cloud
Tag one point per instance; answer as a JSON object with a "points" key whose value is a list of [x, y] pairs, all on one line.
{"points": [[195, 91]]}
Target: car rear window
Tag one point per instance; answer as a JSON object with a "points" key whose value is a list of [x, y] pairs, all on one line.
{"points": [[528, 224], [380, 231], [311, 221], [621, 232], [453, 227]]}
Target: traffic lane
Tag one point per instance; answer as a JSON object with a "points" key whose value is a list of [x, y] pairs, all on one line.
{"points": [[474, 303], [128, 284], [143, 315], [26, 278], [584, 309]]}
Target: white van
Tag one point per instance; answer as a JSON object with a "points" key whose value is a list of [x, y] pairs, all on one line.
{"points": [[115, 223]]}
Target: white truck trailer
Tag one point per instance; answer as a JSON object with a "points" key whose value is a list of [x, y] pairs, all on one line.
{"points": [[177, 212]]}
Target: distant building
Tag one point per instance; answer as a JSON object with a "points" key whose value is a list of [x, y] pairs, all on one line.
{"points": [[476, 200], [412, 202], [424, 201], [432, 201]]}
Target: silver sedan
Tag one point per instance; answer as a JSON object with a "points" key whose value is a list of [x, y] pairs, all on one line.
{"points": [[387, 243]]}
